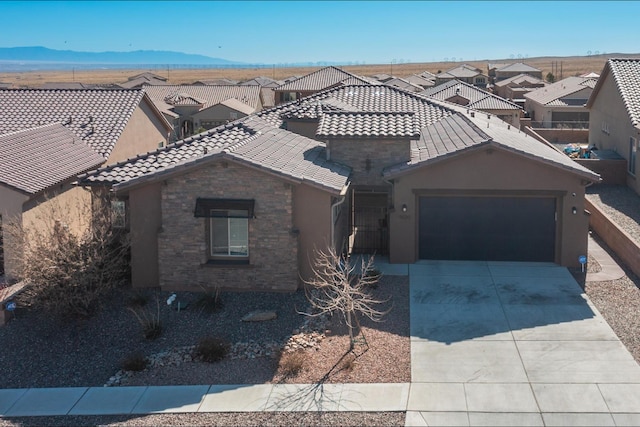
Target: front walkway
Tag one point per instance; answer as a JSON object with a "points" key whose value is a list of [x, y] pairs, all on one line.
{"points": [[491, 344]]}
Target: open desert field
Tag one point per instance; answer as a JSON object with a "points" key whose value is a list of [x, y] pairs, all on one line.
{"points": [[560, 66]]}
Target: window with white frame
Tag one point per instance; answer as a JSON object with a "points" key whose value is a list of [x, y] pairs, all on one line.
{"points": [[633, 151], [227, 228], [118, 214]]}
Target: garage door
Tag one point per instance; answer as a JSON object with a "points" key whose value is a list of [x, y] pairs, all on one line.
{"points": [[487, 228]]}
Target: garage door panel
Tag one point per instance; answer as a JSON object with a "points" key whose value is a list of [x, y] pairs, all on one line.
{"points": [[487, 228]]}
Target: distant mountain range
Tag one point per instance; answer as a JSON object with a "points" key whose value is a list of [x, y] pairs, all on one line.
{"points": [[37, 57]]}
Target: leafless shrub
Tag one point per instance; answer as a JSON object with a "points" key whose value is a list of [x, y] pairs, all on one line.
{"points": [[291, 364], [334, 287], [70, 255], [149, 320]]}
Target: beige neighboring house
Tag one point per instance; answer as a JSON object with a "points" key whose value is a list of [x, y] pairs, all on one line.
{"points": [[193, 107], [142, 79], [514, 88], [47, 137], [360, 168], [561, 104], [422, 80], [464, 73], [324, 78], [614, 108], [216, 82], [506, 71], [267, 87], [404, 84], [471, 97]]}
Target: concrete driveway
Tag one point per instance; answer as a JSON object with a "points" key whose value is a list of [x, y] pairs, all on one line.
{"points": [[496, 343]]}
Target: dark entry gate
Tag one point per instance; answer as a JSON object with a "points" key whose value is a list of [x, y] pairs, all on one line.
{"points": [[369, 223]]}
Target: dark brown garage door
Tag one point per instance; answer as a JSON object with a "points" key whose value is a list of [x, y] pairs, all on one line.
{"points": [[487, 228]]}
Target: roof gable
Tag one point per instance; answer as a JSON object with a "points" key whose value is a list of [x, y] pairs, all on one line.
{"points": [[96, 116], [478, 98], [35, 159], [206, 95], [558, 90], [626, 74], [321, 79]]}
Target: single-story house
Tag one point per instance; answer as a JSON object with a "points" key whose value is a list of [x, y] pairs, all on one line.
{"points": [[614, 108], [142, 79], [514, 88], [361, 168], [316, 81], [193, 107], [470, 96], [507, 71], [48, 137], [561, 104], [465, 73]]}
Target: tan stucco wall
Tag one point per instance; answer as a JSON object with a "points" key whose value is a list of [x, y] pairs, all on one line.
{"points": [[217, 112], [145, 222], [608, 107], [303, 127], [312, 217], [143, 132], [495, 171], [11, 211]]}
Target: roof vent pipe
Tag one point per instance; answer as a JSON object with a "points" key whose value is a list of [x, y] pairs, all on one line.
{"points": [[473, 114]]}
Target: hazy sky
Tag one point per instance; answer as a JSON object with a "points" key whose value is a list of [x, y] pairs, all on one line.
{"points": [[280, 32]]}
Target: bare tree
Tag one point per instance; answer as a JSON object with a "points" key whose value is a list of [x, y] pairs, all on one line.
{"points": [[70, 269], [335, 287]]}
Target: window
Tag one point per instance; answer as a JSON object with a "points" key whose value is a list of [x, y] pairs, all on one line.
{"points": [[118, 214], [227, 228], [605, 127], [633, 151]]}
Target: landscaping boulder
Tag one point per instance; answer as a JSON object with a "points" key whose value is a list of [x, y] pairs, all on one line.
{"points": [[260, 316]]}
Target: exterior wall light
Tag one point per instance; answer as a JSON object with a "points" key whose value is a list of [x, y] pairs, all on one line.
{"points": [[404, 207], [574, 210]]}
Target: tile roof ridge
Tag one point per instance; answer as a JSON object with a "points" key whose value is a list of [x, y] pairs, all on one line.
{"points": [[470, 122]]}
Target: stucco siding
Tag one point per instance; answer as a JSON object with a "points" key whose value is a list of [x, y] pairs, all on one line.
{"points": [[11, 211], [491, 171], [143, 133], [610, 126], [145, 222], [312, 219], [182, 243]]}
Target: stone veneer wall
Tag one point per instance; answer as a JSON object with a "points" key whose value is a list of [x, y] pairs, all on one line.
{"points": [[182, 244], [368, 157]]}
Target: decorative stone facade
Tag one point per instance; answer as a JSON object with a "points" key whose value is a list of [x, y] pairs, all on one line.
{"points": [[368, 157], [182, 243]]}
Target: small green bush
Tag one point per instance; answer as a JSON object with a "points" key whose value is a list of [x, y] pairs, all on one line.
{"points": [[210, 349], [135, 362]]}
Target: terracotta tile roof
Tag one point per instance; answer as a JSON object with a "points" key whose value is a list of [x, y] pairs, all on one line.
{"points": [[322, 79], [209, 95], [250, 141], [626, 74], [461, 71], [262, 81], [403, 84], [215, 82], [420, 80], [35, 159], [335, 124], [478, 98], [553, 93], [96, 116]]}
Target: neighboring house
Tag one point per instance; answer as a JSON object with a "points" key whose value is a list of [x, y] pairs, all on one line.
{"points": [[190, 108], [364, 169], [507, 71], [5, 85], [514, 88], [216, 82], [470, 96], [614, 108], [404, 85], [590, 75], [316, 81], [561, 104], [267, 86], [140, 80], [464, 73], [382, 77], [47, 137], [421, 80]]}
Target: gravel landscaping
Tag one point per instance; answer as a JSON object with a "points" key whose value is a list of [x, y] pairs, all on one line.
{"points": [[620, 203]]}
